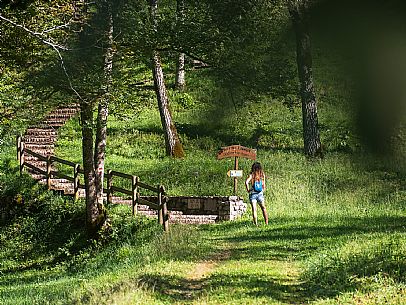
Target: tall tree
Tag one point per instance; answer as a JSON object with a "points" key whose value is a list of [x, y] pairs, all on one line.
{"points": [[103, 107], [180, 80], [298, 10], [173, 145], [94, 145], [95, 26]]}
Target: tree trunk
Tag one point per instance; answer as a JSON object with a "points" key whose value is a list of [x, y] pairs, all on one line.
{"points": [[311, 135], [180, 81], [173, 146], [102, 114], [93, 149], [172, 143], [92, 209]]}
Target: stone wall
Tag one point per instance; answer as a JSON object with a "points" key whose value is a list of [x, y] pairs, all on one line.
{"points": [[226, 208]]}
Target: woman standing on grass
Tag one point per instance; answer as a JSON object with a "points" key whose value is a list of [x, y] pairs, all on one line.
{"points": [[255, 185]]}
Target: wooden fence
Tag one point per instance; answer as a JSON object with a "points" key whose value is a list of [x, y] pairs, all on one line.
{"points": [[136, 184]]}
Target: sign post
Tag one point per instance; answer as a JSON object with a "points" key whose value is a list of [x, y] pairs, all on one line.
{"points": [[236, 151], [235, 178], [234, 173]]}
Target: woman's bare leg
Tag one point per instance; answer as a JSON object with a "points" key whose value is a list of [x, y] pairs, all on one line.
{"points": [[263, 208], [254, 212]]}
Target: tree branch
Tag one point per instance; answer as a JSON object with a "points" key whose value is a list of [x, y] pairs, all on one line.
{"points": [[39, 36], [56, 47]]}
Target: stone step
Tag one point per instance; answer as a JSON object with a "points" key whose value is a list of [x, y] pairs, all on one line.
{"points": [[29, 158], [40, 166], [35, 146], [55, 124], [59, 180], [37, 162], [43, 152], [40, 132], [44, 126], [61, 185], [40, 178], [193, 219], [59, 119], [63, 112], [59, 116], [149, 213], [39, 139]]}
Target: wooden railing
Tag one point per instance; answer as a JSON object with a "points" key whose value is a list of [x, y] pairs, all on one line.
{"points": [[136, 184]]}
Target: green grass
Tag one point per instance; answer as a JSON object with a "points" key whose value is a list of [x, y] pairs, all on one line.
{"points": [[336, 232], [315, 251]]}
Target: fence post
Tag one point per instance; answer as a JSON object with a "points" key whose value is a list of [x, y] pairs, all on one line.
{"points": [[109, 185], [48, 176], [134, 189], [164, 210], [76, 182], [18, 149], [20, 154], [160, 214]]}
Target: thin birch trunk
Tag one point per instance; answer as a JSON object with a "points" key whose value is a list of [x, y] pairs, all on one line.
{"points": [[102, 115], [180, 79]]}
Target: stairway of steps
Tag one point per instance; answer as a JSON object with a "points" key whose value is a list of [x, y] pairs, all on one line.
{"points": [[41, 139]]}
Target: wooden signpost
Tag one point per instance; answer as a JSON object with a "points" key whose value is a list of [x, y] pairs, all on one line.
{"points": [[236, 151], [234, 173]]}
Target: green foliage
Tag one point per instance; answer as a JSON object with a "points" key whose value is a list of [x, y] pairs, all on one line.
{"points": [[336, 233], [360, 262]]}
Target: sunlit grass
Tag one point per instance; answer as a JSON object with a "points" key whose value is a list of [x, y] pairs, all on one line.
{"points": [[336, 231]]}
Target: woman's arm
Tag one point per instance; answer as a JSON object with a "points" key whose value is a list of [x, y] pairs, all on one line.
{"points": [[263, 183], [248, 184]]}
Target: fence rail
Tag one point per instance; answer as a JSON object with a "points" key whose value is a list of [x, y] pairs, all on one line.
{"points": [[134, 192]]}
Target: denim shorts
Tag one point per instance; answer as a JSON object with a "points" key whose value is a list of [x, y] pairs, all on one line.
{"points": [[257, 197]]}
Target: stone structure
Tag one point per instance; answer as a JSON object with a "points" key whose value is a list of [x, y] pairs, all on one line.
{"points": [[193, 210], [223, 208]]}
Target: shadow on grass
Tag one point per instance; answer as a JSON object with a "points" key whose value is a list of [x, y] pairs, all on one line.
{"points": [[179, 289], [304, 238], [299, 237]]}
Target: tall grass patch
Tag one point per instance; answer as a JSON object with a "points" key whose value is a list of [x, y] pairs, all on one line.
{"points": [[361, 263]]}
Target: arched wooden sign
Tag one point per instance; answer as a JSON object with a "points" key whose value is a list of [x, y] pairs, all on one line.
{"points": [[237, 151]]}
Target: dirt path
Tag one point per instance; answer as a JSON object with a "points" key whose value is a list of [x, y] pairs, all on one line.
{"points": [[195, 279], [190, 287]]}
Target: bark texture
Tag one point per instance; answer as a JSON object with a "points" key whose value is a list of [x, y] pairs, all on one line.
{"points": [[180, 80], [102, 114], [311, 135], [92, 210], [173, 145], [94, 143]]}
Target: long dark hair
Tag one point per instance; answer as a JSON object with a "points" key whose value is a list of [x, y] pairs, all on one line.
{"points": [[256, 171]]}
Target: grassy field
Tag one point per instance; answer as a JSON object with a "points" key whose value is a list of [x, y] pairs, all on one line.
{"points": [[352, 254], [336, 232]]}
